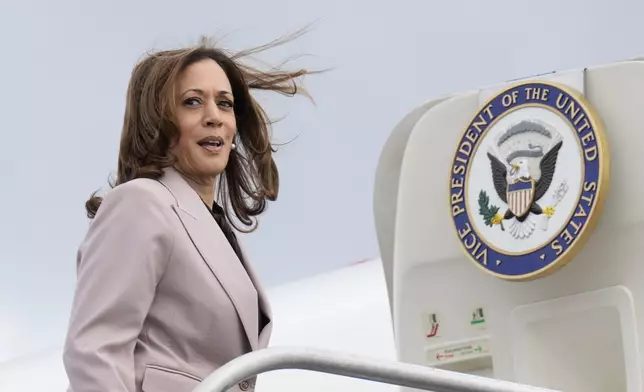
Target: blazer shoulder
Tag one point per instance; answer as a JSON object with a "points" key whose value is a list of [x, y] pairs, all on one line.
{"points": [[140, 196], [142, 190]]}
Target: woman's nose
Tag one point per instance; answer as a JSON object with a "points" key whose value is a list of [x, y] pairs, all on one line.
{"points": [[212, 117]]}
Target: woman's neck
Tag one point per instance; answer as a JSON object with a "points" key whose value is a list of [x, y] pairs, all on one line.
{"points": [[206, 192], [205, 188]]}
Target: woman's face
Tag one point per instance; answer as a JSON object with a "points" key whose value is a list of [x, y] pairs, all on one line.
{"points": [[205, 118]]}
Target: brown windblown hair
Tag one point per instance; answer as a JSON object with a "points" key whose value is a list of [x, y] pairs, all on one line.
{"points": [[251, 176]]}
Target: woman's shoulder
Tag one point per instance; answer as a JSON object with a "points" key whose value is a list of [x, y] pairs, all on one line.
{"points": [[141, 192]]}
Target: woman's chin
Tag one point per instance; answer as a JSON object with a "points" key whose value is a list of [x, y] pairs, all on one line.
{"points": [[204, 166], [211, 169]]}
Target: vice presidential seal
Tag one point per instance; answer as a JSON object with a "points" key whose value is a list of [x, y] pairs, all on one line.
{"points": [[527, 180]]}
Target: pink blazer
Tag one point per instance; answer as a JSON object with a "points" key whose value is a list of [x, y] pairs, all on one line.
{"points": [[161, 300]]}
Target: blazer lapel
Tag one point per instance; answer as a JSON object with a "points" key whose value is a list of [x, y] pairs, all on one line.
{"points": [[216, 252], [264, 304]]}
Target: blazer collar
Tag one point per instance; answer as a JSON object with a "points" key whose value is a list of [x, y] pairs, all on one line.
{"points": [[186, 197], [235, 276]]}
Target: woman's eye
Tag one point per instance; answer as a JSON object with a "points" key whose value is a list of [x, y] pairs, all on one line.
{"points": [[191, 102], [226, 104]]}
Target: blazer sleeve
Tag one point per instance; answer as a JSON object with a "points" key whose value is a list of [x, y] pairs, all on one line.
{"points": [[120, 263]]}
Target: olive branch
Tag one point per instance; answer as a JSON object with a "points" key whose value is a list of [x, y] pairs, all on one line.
{"points": [[488, 211]]}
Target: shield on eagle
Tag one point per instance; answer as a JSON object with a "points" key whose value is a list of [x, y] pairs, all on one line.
{"points": [[520, 196]]}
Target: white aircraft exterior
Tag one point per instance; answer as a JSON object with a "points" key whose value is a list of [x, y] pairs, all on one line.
{"points": [[345, 310]]}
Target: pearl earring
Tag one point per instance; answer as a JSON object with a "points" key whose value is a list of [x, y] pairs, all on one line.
{"points": [[233, 146]]}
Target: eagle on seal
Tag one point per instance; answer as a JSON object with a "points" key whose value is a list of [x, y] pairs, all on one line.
{"points": [[522, 184]]}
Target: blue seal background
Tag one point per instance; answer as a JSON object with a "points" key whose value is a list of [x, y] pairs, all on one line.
{"points": [[517, 265]]}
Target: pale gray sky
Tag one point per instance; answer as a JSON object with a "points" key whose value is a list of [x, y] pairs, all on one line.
{"points": [[65, 66]]}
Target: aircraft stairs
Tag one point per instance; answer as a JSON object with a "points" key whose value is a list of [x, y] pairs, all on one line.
{"points": [[389, 372]]}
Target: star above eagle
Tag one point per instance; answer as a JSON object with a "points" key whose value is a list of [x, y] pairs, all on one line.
{"points": [[520, 172]]}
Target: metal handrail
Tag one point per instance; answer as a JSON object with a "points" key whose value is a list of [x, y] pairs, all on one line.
{"points": [[389, 372]]}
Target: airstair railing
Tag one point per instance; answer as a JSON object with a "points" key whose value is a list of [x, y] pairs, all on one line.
{"points": [[389, 372]]}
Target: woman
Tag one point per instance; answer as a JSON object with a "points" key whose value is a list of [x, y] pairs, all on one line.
{"points": [[165, 295]]}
